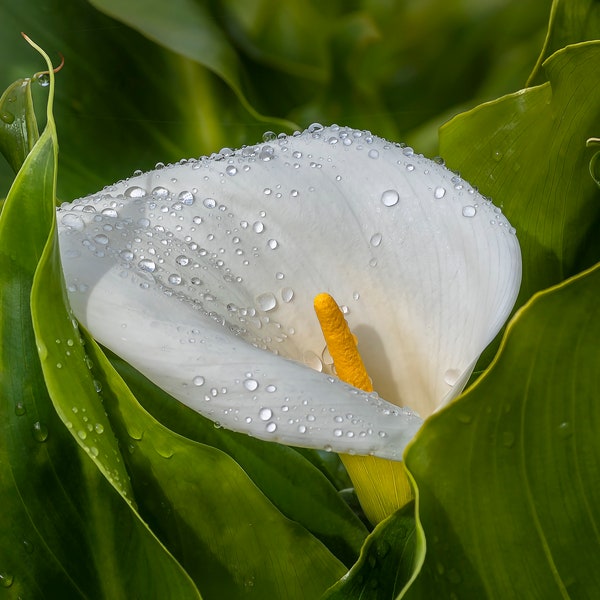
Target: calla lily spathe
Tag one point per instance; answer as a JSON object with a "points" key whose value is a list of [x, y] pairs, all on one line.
{"points": [[202, 275]]}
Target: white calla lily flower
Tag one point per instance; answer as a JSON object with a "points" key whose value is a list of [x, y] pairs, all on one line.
{"points": [[202, 275]]}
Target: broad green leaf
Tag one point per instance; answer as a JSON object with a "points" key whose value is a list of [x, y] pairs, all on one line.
{"points": [[66, 532], [294, 486], [527, 151], [227, 535], [18, 126], [571, 21], [508, 475], [391, 556]]}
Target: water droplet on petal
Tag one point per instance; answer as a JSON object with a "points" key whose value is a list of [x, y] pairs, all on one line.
{"points": [[186, 198], [127, 255], [266, 301], [451, 376], [20, 409], [258, 227], [469, 211], [101, 239], [287, 294], [373, 153], [135, 192], [147, 265], [273, 244], [209, 202], [375, 239], [264, 414], [390, 198], [198, 380], [271, 427], [175, 279], [73, 221], [439, 192], [231, 170], [269, 136], [251, 385]]}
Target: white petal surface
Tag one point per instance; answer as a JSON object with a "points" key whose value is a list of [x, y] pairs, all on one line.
{"points": [[203, 274]]}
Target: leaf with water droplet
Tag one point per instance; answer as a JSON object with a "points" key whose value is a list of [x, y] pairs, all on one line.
{"points": [[389, 561], [18, 125]]}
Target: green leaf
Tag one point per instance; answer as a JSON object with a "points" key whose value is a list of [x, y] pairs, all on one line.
{"points": [[527, 151], [294, 486], [571, 21], [67, 533], [18, 126], [391, 556], [227, 535], [516, 510]]}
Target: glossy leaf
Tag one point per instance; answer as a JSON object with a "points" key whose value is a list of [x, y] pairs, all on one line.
{"points": [[533, 162], [63, 521], [227, 535], [517, 507], [391, 556], [287, 479], [570, 22], [18, 127]]}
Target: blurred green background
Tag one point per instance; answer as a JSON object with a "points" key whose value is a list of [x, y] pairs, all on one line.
{"points": [[159, 81]]}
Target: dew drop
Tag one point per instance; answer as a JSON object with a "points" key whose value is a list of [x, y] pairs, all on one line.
{"points": [[564, 430], [81, 434], [20, 409], [175, 279], [258, 227], [231, 170], [73, 221], [287, 294], [251, 385], [266, 301], [469, 211], [271, 427], [99, 428], [43, 80], [264, 414], [101, 239], [271, 388], [182, 260], [269, 136], [7, 117], [127, 255], [451, 376], [198, 380], [373, 153], [135, 192], [6, 579], [273, 244], [186, 197], [390, 198], [209, 202], [314, 127], [302, 428], [375, 239], [147, 265], [40, 431], [439, 192]]}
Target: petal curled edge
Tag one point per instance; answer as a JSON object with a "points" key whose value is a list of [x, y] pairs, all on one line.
{"points": [[229, 251]]}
